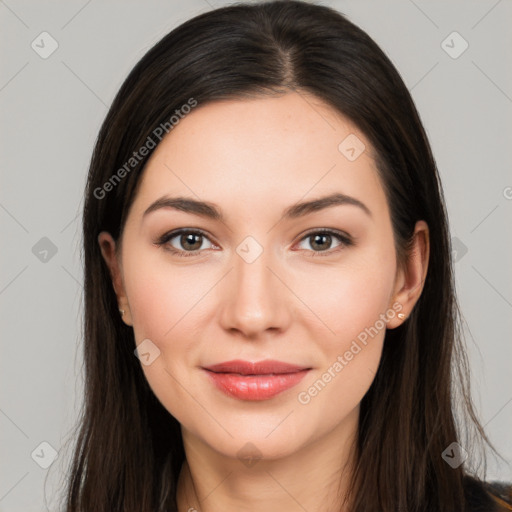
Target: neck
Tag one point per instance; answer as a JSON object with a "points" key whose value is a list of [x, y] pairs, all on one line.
{"points": [[314, 478]]}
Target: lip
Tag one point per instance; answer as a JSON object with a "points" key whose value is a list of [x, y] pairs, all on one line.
{"points": [[261, 380]]}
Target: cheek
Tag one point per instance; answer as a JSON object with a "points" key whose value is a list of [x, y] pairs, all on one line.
{"points": [[165, 305], [353, 305], [349, 298], [162, 297]]}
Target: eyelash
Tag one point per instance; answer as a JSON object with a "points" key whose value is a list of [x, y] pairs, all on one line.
{"points": [[344, 239]]}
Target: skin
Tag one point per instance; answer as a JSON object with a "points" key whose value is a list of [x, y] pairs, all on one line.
{"points": [[253, 158]]}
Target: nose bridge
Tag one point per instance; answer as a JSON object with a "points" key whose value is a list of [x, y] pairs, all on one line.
{"points": [[254, 301]]}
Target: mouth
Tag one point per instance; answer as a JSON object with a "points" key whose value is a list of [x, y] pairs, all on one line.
{"points": [[255, 381]]}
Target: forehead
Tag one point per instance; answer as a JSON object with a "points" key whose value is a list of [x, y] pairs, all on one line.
{"points": [[259, 152]]}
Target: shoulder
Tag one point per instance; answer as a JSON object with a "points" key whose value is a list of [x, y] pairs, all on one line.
{"points": [[487, 496]]}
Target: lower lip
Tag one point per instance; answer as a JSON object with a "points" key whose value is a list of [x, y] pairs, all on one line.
{"points": [[255, 387]]}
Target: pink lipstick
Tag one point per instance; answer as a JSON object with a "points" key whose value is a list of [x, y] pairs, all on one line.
{"points": [[255, 381]]}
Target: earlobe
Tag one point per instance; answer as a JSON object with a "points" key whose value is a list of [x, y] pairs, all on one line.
{"points": [[108, 251], [411, 278]]}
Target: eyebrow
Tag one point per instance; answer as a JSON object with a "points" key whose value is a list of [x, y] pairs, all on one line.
{"points": [[211, 211]]}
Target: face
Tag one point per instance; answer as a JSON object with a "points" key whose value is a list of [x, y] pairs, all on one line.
{"points": [[312, 287]]}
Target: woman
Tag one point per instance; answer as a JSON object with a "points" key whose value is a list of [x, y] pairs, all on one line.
{"points": [[297, 355]]}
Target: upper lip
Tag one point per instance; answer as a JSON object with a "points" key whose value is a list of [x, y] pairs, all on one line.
{"points": [[257, 368]]}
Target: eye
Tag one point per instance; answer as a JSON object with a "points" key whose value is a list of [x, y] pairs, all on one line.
{"points": [[321, 241], [191, 241]]}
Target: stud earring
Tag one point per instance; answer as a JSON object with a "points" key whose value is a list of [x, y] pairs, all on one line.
{"points": [[401, 316], [121, 311]]}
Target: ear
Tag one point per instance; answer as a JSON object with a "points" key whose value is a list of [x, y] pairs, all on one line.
{"points": [[410, 277], [108, 251]]}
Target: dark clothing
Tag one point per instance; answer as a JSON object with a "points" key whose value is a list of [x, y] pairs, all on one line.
{"points": [[479, 499]]}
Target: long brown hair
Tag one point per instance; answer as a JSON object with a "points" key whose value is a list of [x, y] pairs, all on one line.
{"points": [[129, 449]]}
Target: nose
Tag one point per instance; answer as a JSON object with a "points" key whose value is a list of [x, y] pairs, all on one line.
{"points": [[255, 301]]}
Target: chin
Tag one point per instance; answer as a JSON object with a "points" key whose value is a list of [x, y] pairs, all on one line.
{"points": [[251, 449], [256, 436]]}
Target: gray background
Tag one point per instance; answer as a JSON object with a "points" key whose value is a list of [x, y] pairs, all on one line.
{"points": [[52, 109]]}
